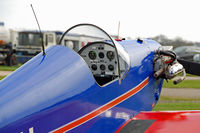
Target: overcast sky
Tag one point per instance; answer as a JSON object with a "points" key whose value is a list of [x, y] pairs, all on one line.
{"points": [[138, 18]]}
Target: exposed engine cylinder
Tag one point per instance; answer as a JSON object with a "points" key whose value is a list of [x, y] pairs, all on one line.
{"points": [[167, 67]]}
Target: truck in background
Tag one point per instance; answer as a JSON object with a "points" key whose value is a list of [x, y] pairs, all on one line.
{"points": [[19, 46], [8, 38], [30, 42]]}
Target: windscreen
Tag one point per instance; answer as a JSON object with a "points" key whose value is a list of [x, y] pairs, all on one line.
{"points": [[81, 36]]}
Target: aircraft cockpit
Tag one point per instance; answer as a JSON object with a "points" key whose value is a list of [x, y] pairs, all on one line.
{"points": [[107, 60]]}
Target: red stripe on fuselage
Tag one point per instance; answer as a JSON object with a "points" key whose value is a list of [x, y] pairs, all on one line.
{"points": [[102, 109]]}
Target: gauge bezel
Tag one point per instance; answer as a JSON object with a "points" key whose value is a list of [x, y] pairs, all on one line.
{"points": [[108, 56], [91, 56]]}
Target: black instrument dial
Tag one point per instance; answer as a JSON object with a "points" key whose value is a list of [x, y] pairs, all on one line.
{"points": [[94, 67], [110, 55], [102, 67], [101, 55], [92, 55], [111, 67]]}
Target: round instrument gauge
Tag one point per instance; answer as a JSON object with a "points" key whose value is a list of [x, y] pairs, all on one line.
{"points": [[102, 67], [110, 55], [111, 67], [94, 67], [101, 55], [92, 55]]}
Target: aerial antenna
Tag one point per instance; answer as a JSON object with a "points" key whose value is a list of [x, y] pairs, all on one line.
{"points": [[39, 30], [118, 30]]}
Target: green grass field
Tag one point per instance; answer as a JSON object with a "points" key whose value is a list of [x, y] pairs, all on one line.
{"points": [[184, 84], [178, 99], [1, 77], [9, 68], [191, 75], [177, 106], [177, 103]]}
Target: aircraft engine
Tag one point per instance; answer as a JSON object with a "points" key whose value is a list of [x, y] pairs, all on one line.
{"points": [[167, 67]]}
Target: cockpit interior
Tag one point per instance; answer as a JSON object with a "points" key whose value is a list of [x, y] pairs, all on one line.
{"points": [[98, 51], [101, 58]]}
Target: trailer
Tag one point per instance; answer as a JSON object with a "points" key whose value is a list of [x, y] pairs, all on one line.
{"points": [[30, 42], [8, 38], [19, 46]]}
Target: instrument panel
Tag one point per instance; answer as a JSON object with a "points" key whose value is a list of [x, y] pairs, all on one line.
{"points": [[101, 59]]}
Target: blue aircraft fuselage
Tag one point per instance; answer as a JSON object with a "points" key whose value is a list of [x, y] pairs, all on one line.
{"points": [[58, 93]]}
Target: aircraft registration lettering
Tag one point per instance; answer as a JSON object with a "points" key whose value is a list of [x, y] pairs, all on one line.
{"points": [[30, 130]]}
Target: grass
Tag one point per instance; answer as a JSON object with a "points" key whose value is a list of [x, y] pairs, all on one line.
{"points": [[184, 84], [1, 77], [177, 99], [191, 75], [9, 68], [177, 106], [167, 103]]}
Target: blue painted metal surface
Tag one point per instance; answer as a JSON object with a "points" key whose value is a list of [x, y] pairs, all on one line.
{"points": [[49, 92]]}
